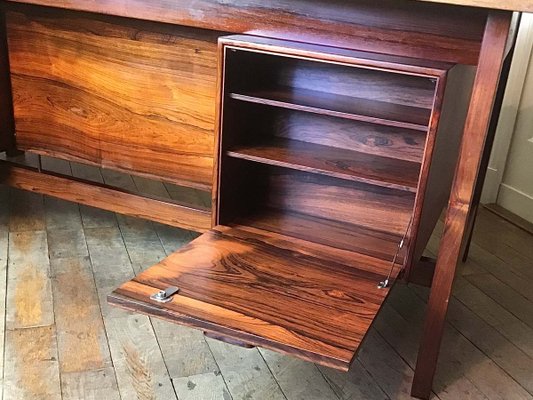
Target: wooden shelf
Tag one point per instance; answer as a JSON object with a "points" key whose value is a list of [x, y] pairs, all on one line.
{"points": [[341, 106], [334, 162], [334, 234], [244, 284]]}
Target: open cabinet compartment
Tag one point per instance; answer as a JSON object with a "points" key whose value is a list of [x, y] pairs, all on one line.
{"points": [[323, 156]]}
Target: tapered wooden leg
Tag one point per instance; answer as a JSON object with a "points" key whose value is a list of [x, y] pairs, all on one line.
{"points": [[504, 77], [462, 196]]}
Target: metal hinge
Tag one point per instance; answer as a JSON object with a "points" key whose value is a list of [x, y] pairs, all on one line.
{"points": [[164, 296], [385, 284]]}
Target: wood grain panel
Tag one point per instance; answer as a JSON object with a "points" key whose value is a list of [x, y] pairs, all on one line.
{"points": [[361, 137], [134, 97], [390, 26], [336, 235], [352, 108], [7, 129], [235, 283], [377, 208]]}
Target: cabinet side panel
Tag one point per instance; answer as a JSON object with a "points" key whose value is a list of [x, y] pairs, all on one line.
{"points": [[6, 106], [452, 120], [132, 96]]}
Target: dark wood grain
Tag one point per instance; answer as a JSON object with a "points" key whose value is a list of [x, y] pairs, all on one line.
{"points": [[277, 69], [487, 150], [422, 272], [379, 140], [135, 97], [236, 284], [448, 134], [7, 127], [334, 234], [475, 132], [340, 106], [105, 197], [309, 51], [378, 208], [334, 162], [415, 29]]}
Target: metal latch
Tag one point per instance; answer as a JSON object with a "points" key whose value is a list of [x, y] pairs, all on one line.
{"points": [[386, 283], [164, 296]]}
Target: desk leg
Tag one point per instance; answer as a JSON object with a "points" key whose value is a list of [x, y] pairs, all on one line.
{"points": [[462, 196], [504, 77]]}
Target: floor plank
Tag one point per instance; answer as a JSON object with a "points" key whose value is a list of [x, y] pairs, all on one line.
{"points": [[493, 344], [90, 385], [31, 366], [514, 330], [139, 365], [29, 288], [185, 350], [82, 341], [472, 363], [357, 384], [504, 295], [142, 242], [450, 383], [26, 212], [245, 372], [392, 373], [298, 379], [141, 372], [208, 386]]}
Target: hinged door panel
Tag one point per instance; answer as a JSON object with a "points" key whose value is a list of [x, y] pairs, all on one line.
{"points": [[266, 289]]}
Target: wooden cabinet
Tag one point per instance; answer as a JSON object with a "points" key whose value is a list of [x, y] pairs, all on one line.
{"points": [[324, 164], [325, 157]]}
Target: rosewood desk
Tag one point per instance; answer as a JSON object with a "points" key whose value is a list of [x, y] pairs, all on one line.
{"points": [[323, 139]]}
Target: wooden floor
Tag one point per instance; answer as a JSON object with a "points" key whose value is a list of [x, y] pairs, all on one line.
{"points": [[60, 340]]}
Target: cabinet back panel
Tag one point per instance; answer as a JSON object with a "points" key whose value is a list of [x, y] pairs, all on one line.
{"points": [[133, 97], [351, 135], [259, 124], [373, 207]]}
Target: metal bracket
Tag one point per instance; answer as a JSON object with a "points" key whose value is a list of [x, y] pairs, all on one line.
{"points": [[385, 283], [164, 296]]}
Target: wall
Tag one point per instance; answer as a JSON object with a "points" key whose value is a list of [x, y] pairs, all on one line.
{"points": [[509, 180], [516, 189]]}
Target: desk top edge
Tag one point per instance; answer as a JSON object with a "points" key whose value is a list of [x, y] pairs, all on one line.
{"points": [[508, 5]]}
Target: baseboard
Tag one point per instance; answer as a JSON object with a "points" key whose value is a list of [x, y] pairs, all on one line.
{"points": [[510, 217], [516, 201]]}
